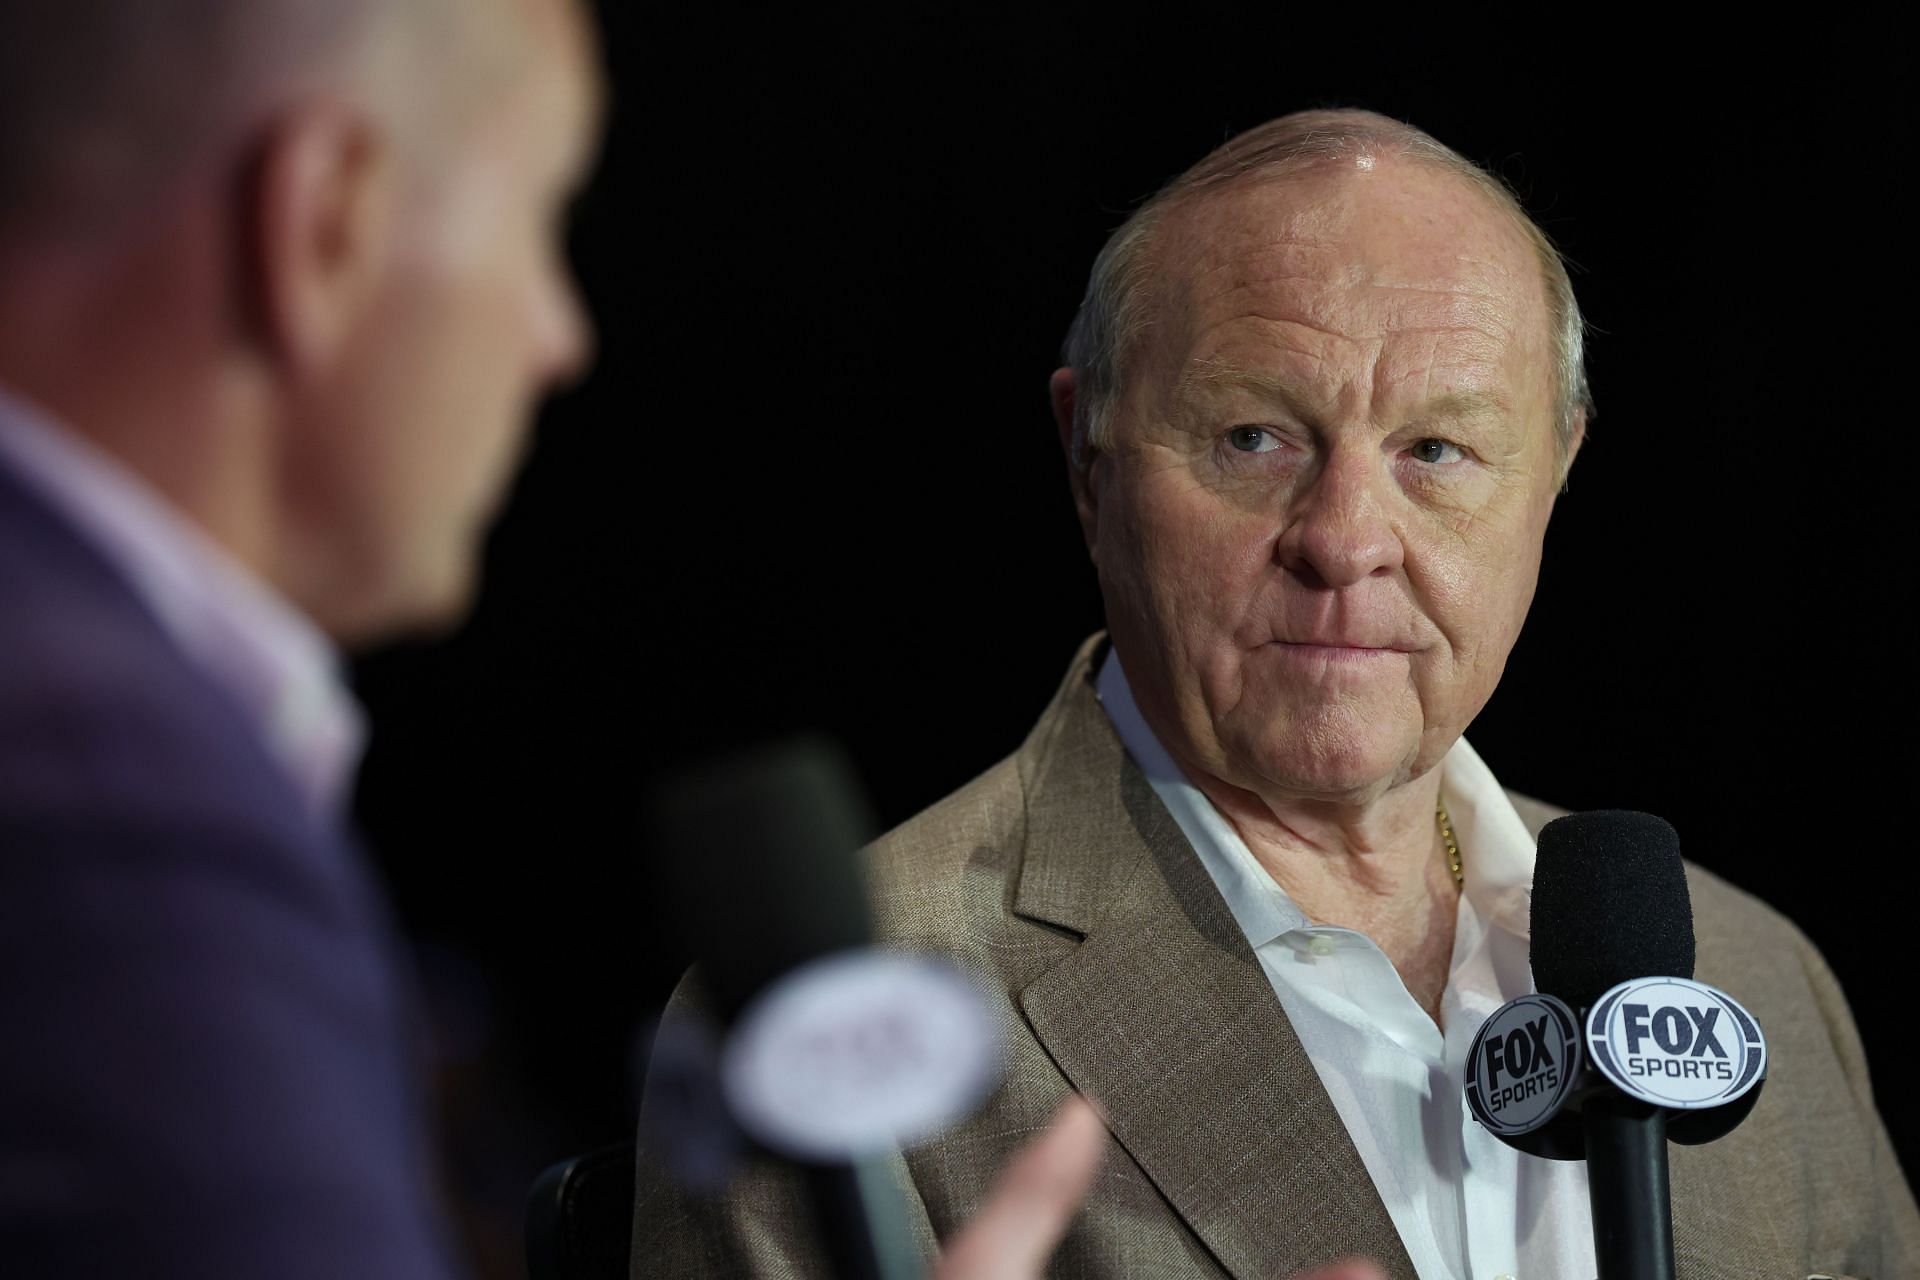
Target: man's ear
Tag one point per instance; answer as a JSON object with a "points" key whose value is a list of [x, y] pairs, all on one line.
{"points": [[318, 201], [1063, 390], [1578, 438]]}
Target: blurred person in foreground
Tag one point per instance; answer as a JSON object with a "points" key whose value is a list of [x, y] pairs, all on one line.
{"points": [[281, 285], [1245, 883]]}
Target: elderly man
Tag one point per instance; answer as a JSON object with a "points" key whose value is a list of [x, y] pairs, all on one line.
{"points": [[1245, 884]]}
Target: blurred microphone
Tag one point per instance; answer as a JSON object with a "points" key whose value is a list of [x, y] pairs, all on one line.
{"points": [[1621, 1051], [834, 1055]]}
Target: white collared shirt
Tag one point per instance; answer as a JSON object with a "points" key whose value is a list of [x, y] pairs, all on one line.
{"points": [[284, 674], [1467, 1206]]}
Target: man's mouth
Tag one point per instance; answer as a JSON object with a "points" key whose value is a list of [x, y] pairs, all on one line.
{"points": [[1337, 651]]}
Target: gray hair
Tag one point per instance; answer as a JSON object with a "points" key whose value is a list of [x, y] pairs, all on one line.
{"points": [[105, 103], [1113, 314]]}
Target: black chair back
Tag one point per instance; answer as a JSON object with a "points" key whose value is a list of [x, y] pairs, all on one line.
{"points": [[580, 1217]]}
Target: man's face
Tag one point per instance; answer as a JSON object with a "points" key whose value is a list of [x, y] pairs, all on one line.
{"points": [[1319, 525], [474, 320]]}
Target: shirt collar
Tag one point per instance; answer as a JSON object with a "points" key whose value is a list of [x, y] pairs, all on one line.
{"points": [[1497, 852], [283, 672]]}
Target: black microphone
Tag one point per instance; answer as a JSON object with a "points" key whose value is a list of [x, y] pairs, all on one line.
{"points": [[759, 847], [834, 1054], [1610, 903], [1621, 1052]]}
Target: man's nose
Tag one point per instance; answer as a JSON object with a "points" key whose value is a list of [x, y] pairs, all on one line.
{"points": [[1338, 531]]}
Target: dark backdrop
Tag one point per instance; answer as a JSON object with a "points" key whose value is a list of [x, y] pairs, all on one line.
{"points": [[813, 482]]}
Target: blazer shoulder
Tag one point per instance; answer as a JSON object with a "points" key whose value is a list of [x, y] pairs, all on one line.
{"points": [[1751, 950], [1727, 913], [113, 741], [1819, 1106], [98, 706], [953, 862], [1727, 917]]}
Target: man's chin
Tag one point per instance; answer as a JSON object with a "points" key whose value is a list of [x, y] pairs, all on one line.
{"points": [[431, 605], [1344, 764], [1356, 786]]}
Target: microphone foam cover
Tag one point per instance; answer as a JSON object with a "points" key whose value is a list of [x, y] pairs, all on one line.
{"points": [[761, 857], [1610, 903]]}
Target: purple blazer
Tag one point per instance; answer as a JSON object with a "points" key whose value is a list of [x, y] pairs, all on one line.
{"points": [[204, 1049]]}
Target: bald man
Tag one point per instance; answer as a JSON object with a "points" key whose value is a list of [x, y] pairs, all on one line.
{"points": [[1245, 883], [280, 285]]}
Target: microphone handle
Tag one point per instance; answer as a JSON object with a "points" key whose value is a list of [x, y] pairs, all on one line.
{"points": [[1627, 1184], [862, 1223]]}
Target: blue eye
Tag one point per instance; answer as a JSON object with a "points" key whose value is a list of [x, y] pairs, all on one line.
{"points": [[1438, 452], [1252, 440]]}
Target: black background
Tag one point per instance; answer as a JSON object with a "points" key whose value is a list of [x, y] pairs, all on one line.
{"points": [[813, 482]]}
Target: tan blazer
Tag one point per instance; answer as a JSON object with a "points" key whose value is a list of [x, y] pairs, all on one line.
{"points": [[1060, 880]]}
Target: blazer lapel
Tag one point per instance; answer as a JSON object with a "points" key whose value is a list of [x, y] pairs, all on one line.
{"points": [[1164, 1017]]}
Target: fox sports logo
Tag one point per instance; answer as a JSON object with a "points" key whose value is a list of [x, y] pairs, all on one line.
{"points": [[1673, 1042], [1523, 1064]]}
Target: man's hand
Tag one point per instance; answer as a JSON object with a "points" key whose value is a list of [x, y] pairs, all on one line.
{"points": [[1037, 1195], [1032, 1202]]}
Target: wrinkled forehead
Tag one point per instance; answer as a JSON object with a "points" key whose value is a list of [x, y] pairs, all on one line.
{"points": [[1397, 265]]}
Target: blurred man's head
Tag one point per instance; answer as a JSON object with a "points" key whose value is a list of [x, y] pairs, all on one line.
{"points": [[300, 263]]}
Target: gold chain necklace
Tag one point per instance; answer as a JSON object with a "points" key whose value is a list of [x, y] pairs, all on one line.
{"points": [[1453, 846]]}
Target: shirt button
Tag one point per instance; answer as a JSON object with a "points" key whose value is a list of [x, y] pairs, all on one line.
{"points": [[1503, 1276], [1321, 945]]}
